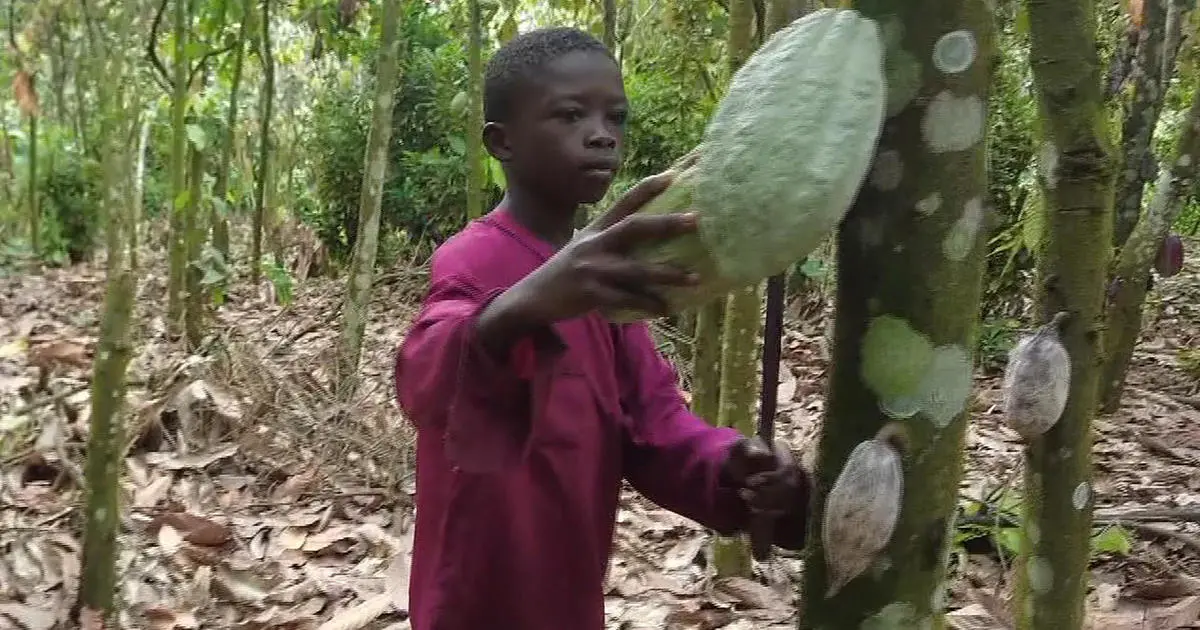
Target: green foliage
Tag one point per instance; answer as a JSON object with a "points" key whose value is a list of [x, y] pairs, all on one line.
{"points": [[70, 207], [280, 279], [996, 338], [424, 194], [995, 522]]}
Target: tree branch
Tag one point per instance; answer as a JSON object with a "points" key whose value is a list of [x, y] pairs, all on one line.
{"points": [[204, 59], [151, 49]]}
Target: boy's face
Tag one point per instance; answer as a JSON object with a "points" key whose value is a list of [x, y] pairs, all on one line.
{"points": [[565, 137]]}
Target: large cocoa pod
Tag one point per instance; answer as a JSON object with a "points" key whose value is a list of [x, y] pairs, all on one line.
{"points": [[862, 508], [1170, 256], [1037, 381]]}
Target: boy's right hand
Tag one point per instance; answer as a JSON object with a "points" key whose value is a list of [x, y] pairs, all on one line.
{"points": [[593, 271]]}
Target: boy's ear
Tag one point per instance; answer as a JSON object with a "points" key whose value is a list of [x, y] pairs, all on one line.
{"points": [[495, 140]]}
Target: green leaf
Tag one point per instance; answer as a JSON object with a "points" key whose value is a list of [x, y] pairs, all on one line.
{"points": [[182, 200], [1010, 539], [496, 173], [196, 136], [1113, 539], [457, 144]]}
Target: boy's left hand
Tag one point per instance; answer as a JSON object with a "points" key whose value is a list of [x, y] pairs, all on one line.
{"points": [[775, 489]]}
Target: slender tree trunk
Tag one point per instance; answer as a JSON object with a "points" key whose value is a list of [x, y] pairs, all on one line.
{"points": [[193, 235], [220, 220], [35, 213], [741, 328], [1178, 16], [362, 268], [1138, 129], [264, 146], [1077, 183], [177, 254], [609, 37], [1124, 320], [910, 257], [139, 182], [117, 102], [474, 111]]}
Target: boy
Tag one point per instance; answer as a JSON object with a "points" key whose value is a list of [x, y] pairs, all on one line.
{"points": [[530, 408]]}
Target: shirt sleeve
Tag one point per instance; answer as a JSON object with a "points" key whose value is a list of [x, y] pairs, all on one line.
{"points": [[675, 458], [447, 381]]}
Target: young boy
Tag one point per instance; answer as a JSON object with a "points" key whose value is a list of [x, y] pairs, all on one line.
{"points": [[530, 408]]}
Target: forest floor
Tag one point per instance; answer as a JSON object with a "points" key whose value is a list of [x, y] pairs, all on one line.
{"points": [[252, 499]]}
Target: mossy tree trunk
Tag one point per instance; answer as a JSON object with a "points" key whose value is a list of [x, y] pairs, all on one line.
{"points": [[738, 377], [609, 35], [1124, 308], [176, 248], [117, 100], [475, 154], [1138, 130], [1132, 275], [264, 143], [220, 220], [362, 267], [910, 257], [193, 238], [1076, 178]]}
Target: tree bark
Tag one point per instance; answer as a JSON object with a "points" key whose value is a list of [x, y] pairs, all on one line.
{"points": [[362, 267], [117, 100], [1138, 129], [220, 220], [739, 395], [1132, 276], [35, 213], [910, 261], [475, 155], [1076, 178], [177, 252], [193, 237], [264, 144], [740, 328]]}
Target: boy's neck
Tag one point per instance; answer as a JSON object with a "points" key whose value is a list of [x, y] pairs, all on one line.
{"points": [[553, 223]]}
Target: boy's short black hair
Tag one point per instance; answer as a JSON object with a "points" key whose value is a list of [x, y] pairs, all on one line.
{"points": [[519, 60]]}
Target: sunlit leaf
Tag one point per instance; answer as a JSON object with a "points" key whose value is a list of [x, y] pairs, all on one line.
{"points": [[197, 137]]}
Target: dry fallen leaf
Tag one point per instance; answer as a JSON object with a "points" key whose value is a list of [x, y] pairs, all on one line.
{"points": [[194, 529], [28, 617]]}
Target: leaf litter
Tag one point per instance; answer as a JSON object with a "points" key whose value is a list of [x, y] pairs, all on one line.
{"points": [[252, 498]]}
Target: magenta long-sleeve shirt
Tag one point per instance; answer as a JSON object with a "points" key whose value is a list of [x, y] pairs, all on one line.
{"points": [[519, 467]]}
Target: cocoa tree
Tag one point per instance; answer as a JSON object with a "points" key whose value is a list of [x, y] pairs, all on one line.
{"points": [[362, 267], [737, 381], [910, 259], [1075, 177]]}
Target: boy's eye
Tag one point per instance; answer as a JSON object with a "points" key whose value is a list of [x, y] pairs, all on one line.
{"points": [[570, 114], [619, 117]]}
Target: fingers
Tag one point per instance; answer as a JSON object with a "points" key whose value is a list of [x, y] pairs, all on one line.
{"points": [[637, 197], [645, 228], [633, 274], [617, 298]]}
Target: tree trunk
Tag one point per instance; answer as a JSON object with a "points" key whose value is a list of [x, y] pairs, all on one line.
{"points": [[910, 258], [117, 102], [1138, 129], [193, 236], [1178, 16], [264, 144], [1124, 318], [475, 155], [739, 395], [177, 254], [35, 213], [220, 220], [1076, 179], [610, 26], [362, 267], [780, 13], [139, 182], [741, 328]]}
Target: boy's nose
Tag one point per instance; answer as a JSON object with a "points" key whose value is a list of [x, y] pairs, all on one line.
{"points": [[600, 138]]}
